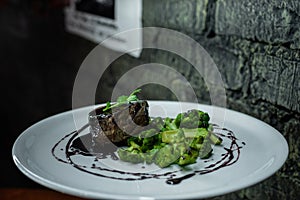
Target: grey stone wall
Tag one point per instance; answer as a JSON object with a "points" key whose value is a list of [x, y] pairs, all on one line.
{"points": [[256, 46]]}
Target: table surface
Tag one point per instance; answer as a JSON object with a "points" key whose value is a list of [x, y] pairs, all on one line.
{"points": [[33, 194]]}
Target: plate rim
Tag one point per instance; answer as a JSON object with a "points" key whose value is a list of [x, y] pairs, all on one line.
{"points": [[91, 194]]}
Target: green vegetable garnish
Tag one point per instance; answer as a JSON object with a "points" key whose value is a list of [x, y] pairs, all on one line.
{"points": [[181, 140], [123, 100]]}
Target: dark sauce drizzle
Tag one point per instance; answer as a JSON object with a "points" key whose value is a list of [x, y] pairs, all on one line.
{"points": [[74, 146]]}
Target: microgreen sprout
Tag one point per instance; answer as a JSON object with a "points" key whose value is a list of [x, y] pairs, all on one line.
{"points": [[123, 100]]}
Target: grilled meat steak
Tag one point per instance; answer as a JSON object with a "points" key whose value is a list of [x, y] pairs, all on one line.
{"points": [[118, 124]]}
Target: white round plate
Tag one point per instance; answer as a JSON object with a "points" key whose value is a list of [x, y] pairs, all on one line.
{"points": [[263, 151]]}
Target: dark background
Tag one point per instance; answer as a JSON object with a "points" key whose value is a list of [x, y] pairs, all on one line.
{"points": [[39, 61]]}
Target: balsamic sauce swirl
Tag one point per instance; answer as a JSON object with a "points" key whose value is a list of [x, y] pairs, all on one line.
{"points": [[72, 145]]}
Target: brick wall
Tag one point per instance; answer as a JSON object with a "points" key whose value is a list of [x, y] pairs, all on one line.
{"points": [[256, 46]]}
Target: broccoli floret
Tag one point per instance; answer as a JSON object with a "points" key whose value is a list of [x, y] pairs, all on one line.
{"points": [[189, 157], [149, 139], [134, 146], [147, 144], [177, 120], [196, 143], [170, 124], [136, 140], [192, 119], [181, 140]]}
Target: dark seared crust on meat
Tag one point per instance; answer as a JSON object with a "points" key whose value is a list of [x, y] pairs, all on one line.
{"points": [[118, 124]]}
